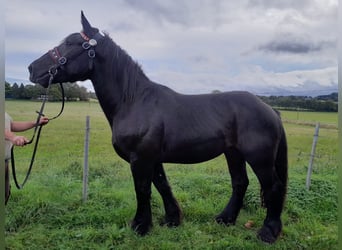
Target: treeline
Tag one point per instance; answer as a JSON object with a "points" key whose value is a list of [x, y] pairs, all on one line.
{"points": [[323, 103], [73, 92]]}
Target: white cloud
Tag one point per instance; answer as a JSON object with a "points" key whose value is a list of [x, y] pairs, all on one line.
{"points": [[193, 46]]}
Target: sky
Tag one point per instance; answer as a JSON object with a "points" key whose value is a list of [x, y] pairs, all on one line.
{"points": [[266, 47]]}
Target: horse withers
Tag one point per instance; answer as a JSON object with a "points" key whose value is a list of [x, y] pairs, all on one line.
{"points": [[152, 124]]}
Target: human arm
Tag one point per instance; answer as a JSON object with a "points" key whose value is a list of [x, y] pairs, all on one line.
{"points": [[19, 127], [23, 126], [15, 139]]}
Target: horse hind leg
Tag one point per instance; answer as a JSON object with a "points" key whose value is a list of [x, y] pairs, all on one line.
{"points": [[239, 181], [273, 191], [173, 213]]}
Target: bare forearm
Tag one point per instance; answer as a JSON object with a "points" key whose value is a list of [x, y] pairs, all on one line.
{"points": [[22, 126]]}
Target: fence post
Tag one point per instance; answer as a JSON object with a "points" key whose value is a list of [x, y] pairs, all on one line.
{"points": [[85, 166], [312, 156]]}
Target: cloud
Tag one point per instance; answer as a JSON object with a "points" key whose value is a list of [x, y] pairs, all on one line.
{"points": [[279, 4], [287, 43], [193, 46], [191, 13], [254, 79], [170, 11], [290, 47]]}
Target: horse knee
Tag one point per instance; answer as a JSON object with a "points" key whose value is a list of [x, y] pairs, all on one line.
{"points": [[240, 186]]}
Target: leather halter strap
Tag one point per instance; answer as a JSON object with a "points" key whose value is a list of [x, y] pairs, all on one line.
{"points": [[89, 45]]}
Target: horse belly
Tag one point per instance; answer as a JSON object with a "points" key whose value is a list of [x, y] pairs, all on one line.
{"points": [[196, 153]]}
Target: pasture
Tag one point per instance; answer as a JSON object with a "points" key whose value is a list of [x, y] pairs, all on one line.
{"points": [[49, 214]]}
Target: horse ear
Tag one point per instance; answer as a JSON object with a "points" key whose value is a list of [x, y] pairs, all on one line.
{"points": [[85, 24]]}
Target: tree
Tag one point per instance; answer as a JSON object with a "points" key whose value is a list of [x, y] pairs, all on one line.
{"points": [[8, 90], [324, 104], [83, 94], [73, 92], [15, 91]]}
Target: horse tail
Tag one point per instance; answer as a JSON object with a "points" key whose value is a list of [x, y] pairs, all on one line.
{"points": [[281, 170], [281, 163]]}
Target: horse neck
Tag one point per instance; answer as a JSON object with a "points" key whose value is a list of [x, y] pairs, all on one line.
{"points": [[118, 81]]}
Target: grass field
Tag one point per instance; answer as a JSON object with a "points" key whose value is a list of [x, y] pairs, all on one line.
{"points": [[49, 214]]}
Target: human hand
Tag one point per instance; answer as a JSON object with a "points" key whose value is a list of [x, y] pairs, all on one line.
{"points": [[19, 140], [43, 121]]}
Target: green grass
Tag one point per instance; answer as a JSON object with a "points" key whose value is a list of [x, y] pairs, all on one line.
{"points": [[326, 118], [49, 214]]}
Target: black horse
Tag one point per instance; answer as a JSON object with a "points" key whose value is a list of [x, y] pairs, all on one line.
{"points": [[152, 124]]}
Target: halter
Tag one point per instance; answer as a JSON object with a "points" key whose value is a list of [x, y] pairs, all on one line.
{"points": [[89, 45], [60, 61]]}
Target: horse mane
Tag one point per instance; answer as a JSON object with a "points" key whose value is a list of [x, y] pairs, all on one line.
{"points": [[125, 71]]}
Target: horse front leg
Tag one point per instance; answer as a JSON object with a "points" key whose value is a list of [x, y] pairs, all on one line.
{"points": [[142, 172], [173, 213]]}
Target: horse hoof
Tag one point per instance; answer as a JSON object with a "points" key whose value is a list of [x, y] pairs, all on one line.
{"points": [[141, 228], [266, 235], [170, 223], [224, 221]]}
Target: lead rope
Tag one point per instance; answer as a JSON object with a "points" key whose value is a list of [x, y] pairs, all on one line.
{"points": [[37, 131]]}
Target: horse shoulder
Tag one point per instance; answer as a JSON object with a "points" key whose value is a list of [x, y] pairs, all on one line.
{"points": [[139, 130]]}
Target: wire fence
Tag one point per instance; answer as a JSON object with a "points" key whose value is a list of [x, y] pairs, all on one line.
{"points": [[89, 145], [72, 138]]}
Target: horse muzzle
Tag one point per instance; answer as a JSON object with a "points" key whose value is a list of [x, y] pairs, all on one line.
{"points": [[41, 78]]}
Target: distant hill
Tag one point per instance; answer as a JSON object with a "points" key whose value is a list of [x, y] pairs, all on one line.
{"points": [[332, 97]]}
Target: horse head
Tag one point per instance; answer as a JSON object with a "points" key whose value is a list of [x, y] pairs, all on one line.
{"points": [[70, 61]]}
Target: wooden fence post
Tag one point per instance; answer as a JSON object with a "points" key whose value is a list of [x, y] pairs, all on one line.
{"points": [[312, 156], [85, 166]]}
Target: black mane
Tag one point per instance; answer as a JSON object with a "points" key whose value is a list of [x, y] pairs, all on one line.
{"points": [[125, 70]]}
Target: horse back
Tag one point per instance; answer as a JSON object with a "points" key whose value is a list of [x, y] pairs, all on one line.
{"points": [[205, 126]]}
